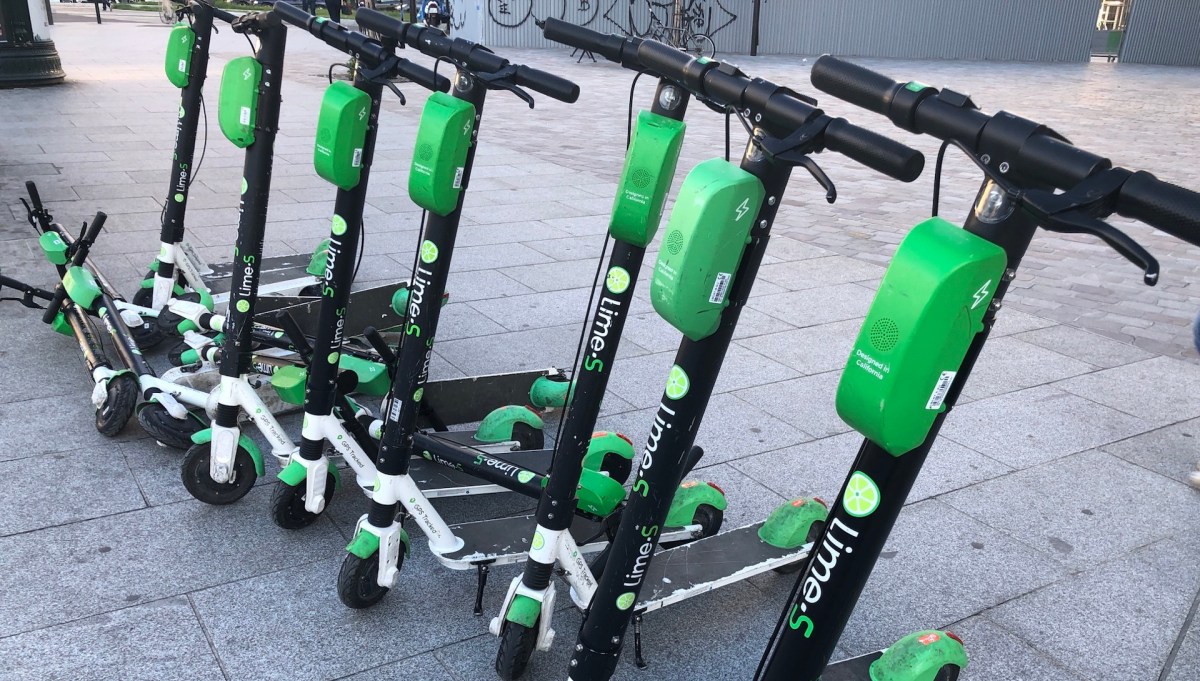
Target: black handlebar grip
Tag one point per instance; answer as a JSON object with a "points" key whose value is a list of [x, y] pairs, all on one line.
{"points": [[873, 150], [227, 17], [372, 20], [548, 84], [605, 45], [422, 76], [851, 82], [292, 14], [664, 60], [1161, 205], [34, 196]]}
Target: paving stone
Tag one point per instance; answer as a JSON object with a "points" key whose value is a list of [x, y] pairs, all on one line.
{"points": [[494, 257], [1171, 451], [806, 403], [819, 272], [1112, 622], [521, 351], [937, 567], [1086, 347], [816, 306], [425, 667], [1076, 511], [157, 641], [811, 350], [555, 276], [1159, 391], [537, 310], [1187, 658], [1008, 364], [1032, 426], [115, 561], [86, 485], [482, 285], [997, 655]]}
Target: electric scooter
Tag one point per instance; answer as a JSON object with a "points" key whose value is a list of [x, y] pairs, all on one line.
{"points": [[914, 353], [715, 240]]}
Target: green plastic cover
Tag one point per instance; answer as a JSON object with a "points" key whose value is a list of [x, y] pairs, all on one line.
{"points": [[440, 154], [178, 64], [705, 238], [927, 311], [288, 382], [646, 179], [341, 130], [81, 287], [54, 248], [237, 104]]}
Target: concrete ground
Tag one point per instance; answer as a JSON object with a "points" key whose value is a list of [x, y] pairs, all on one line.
{"points": [[1051, 527]]}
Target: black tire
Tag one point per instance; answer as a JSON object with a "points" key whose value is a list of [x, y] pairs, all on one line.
{"points": [[356, 581], [175, 354], [528, 438], [313, 290], [814, 532], [200, 484], [287, 504], [709, 518], [617, 467], [517, 644], [147, 335], [122, 396], [702, 46], [948, 672], [144, 296], [168, 430]]}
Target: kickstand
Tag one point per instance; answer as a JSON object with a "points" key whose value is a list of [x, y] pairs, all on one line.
{"points": [[483, 573], [637, 643]]}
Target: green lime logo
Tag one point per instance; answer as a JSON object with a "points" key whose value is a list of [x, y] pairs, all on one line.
{"points": [[339, 225], [429, 252], [862, 495], [333, 358], [678, 383], [244, 185], [181, 114], [418, 394], [524, 477], [538, 541], [243, 306], [625, 600], [179, 198], [617, 280]]}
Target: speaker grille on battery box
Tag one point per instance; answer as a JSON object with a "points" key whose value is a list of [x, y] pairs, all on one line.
{"points": [[675, 242], [884, 334], [425, 152], [641, 177]]}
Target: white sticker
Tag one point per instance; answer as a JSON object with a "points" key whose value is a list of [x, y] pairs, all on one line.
{"points": [[940, 390], [719, 287], [394, 414], [458, 178], [183, 66], [244, 118], [357, 160]]}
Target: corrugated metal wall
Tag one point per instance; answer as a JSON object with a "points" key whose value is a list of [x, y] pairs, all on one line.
{"points": [[1005, 30], [1163, 32]]}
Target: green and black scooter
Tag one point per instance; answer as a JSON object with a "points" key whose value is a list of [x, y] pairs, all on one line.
{"points": [[923, 334], [714, 242]]}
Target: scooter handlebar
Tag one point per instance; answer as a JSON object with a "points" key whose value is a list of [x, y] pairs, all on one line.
{"points": [[855, 84], [612, 47], [81, 250], [874, 151], [1163, 205], [548, 84]]}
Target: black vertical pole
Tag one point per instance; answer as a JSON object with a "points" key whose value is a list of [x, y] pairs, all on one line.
{"points": [[96, 4], [754, 28]]}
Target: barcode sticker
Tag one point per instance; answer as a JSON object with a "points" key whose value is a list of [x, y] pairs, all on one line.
{"points": [[357, 160], [394, 411], [458, 174], [183, 66], [719, 287], [244, 118], [940, 390]]}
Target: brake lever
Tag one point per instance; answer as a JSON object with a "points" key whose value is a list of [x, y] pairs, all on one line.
{"points": [[1078, 222], [500, 81], [819, 175]]}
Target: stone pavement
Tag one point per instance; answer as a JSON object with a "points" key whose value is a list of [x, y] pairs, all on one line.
{"points": [[1051, 527]]}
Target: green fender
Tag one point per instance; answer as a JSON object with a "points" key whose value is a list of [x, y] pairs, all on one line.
{"points": [[81, 287], [365, 544], [54, 248], [524, 611], [549, 392], [203, 437], [498, 425], [691, 495], [295, 473], [606, 442], [288, 383], [919, 657], [599, 494], [400, 300], [788, 525], [61, 325], [373, 379], [320, 256]]}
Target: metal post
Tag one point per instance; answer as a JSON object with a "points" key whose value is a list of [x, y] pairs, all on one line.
{"points": [[754, 29], [96, 4]]}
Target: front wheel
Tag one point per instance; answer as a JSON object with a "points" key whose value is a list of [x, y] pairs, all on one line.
{"points": [[199, 483], [121, 396], [287, 504], [357, 581], [517, 643], [168, 430], [701, 45]]}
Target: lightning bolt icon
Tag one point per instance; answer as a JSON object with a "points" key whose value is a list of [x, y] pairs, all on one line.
{"points": [[743, 209], [981, 293]]}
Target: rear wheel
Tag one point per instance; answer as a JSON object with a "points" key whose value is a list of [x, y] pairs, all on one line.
{"points": [[517, 643], [312, 290], [168, 430], [121, 395], [709, 518], [357, 585], [287, 504], [617, 467], [528, 438], [814, 532], [199, 483]]}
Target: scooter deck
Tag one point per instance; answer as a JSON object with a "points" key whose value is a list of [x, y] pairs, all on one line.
{"points": [[681, 572], [506, 540], [851, 668], [469, 400], [278, 273], [437, 480], [367, 307]]}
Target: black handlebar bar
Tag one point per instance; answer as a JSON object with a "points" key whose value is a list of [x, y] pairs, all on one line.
{"points": [[223, 15], [1032, 151], [614, 48], [78, 257], [472, 56], [351, 42]]}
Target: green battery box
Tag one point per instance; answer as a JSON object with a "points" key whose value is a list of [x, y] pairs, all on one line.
{"points": [[341, 130], [928, 309], [440, 154], [646, 178], [705, 238], [180, 43], [237, 104]]}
